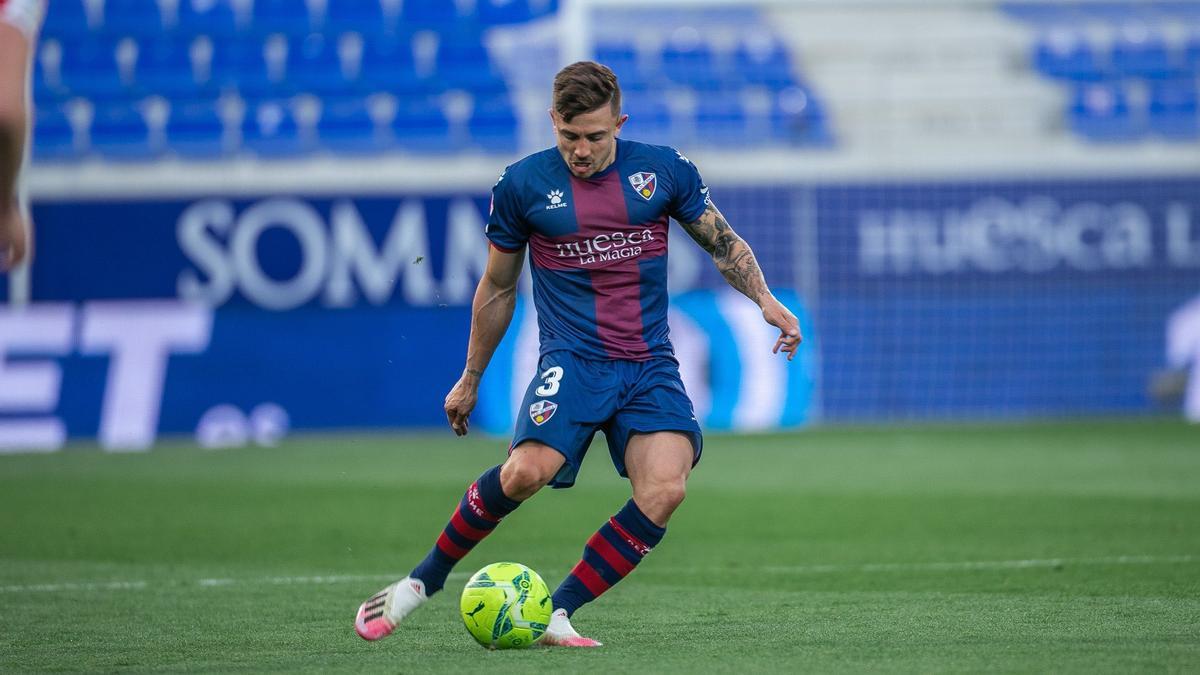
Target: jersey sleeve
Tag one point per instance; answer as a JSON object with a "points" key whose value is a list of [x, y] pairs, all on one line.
{"points": [[690, 196], [24, 15], [506, 226]]}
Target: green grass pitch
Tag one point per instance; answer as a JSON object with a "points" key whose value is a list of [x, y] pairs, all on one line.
{"points": [[1065, 547]]}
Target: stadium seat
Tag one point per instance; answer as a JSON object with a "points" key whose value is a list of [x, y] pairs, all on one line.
{"points": [[649, 116], [314, 65], [1174, 109], [207, 17], [53, 137], [1140, 52], [1191, 53], [439, 14], [1101, 112], [387, 65], [346, 126], [1067, 54], [290, 17], [120, 132], [493, 125], [420, 125], [165, 67], [240, 64], [269, 129], [721, 119], [133, 17], [687, 60], [762, 59], [195, 129], [623, 58], [365, 16], [90, 67], [498, 12], [798, 118], [463, 63], [69, 20]]}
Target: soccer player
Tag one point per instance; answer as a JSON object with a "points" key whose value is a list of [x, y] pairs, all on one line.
{"points": [[19, 21], [593, 214]]}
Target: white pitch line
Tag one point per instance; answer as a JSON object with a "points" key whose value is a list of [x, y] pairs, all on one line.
{"points": [[770, 569]]}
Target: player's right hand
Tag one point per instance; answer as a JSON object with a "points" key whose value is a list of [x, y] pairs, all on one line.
{"points": [[13, 239], [460, 402]]}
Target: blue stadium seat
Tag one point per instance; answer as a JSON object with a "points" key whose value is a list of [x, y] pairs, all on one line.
{"points": [[195, 129], [120, 132], [365, 16], [48, 87], [498, 12], [649, 116], [207, 17], [798, 118], [68, 20], [1067, 54], [346, 126], [269, 129], [622, 57], [1100, 112], [420, 125], [721, 119], [387, 65], [763, 60], [463, 63], [1174, 109], [282, 16], [314, 65], [53, 137], [439, 14], [690, 62], [90, 69], [165, 67], [1140, 52], [493, 125], [1191, 53], [239, 64], [133, 17]]}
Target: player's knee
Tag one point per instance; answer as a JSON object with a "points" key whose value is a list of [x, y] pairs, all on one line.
{"points": [[523, 475], [658, 500]]}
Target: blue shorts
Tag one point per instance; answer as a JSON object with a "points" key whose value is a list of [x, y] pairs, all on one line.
{"points": [[571, 398]]}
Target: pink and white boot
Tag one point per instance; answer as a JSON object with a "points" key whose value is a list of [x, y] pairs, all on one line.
{"points": [[382, 612], [560, 633]]}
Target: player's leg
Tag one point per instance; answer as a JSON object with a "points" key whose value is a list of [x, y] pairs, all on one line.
{"points": [[654, 439], [498, 492], [658, 465]]}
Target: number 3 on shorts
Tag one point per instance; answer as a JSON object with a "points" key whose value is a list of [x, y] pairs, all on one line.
{"points": [[550, 380]]}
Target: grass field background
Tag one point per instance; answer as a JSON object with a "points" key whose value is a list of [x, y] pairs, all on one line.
{"points": [[1070, 547]]}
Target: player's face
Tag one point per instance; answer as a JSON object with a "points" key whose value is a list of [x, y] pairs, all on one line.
{"points": [[588, 143]]}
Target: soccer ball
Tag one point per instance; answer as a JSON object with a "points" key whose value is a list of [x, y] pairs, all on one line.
{"points": [[506, 606]]}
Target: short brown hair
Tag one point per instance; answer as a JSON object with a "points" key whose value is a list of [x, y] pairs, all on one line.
{"points": [[583, 87]]}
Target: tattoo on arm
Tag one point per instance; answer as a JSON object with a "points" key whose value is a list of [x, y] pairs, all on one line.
{"points": [[730, 252]]}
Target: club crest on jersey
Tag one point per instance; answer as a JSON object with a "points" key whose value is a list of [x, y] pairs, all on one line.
{"points": [[644, 183], [541, 411]]}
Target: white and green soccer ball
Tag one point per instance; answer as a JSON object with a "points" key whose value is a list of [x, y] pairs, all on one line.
{"points": [[506, 606]]}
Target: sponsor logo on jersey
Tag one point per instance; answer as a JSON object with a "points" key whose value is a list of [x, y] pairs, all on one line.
{"points": [[605, 247], [644, 183], [556, 200], [541, 411]]}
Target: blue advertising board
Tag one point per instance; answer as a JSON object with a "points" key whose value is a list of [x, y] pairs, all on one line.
{"points": [[238, 318]]}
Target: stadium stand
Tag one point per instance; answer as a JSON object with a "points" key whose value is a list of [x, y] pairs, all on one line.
{"points": [[1132, 67], [231, 77]]}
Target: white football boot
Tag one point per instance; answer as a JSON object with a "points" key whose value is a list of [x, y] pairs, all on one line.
{"points": [[380, 614], [560, 633]]}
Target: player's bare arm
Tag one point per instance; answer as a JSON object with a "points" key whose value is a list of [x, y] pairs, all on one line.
{"points": [[736, 261], [491, 312], [13, 58]]}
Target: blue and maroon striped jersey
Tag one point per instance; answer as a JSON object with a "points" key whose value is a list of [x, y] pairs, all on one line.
{"points": [[598, 245]]}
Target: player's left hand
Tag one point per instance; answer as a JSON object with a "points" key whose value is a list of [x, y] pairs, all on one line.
{"points": [[789, 328]]}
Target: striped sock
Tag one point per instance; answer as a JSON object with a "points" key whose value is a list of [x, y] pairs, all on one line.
{"points": [[477, 515], [610, 554]]}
